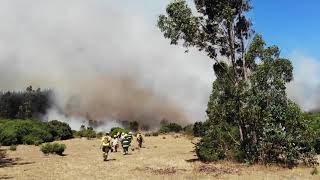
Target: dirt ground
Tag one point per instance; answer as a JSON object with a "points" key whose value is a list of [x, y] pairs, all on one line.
{"points": [[163, 157]]}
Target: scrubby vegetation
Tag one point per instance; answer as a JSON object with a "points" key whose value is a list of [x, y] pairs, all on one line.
{"points": [[170, 127], [250, 118], [13, 132], [116, 130], [314, 125], [24, 105], [53, 148], [24, 132], [60, 130], [87, 132]]}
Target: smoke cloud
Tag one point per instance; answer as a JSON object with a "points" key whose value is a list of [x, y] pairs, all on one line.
{"points": [[305, 87], [106, 60], [103, 59]]}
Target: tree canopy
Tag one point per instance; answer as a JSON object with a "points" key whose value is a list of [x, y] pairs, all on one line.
{"points": [[250, 118]]}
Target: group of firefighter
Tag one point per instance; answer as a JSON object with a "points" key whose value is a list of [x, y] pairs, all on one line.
{"points": [[111, 144]]}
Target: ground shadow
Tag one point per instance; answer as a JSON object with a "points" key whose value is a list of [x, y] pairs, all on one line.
{"points": [[111, 159], [6, 177], [192, 160], [9, 162]]}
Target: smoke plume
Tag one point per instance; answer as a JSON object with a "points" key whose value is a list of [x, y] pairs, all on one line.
{"points": [[305, 87], [105, 60]]}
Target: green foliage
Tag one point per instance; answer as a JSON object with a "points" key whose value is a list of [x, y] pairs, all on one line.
{"points": [[87, 132], [199, 129], [171, 127], [13, 148], [188, 130], [100, 134], [314, 125], [32, 131], [115, 130], [53, 148], [60, 130], [250, 118], [24, 105], [24, 132]]}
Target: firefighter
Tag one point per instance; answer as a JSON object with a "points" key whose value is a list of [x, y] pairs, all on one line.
{"points": [[139, 139], [105, 145], [125, 142]]}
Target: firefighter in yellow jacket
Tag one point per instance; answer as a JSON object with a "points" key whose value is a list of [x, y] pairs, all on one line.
{"points": [[139, 139], [106, 145]]}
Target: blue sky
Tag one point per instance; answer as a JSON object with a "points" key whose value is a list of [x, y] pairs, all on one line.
{"points": [[291, 24]]}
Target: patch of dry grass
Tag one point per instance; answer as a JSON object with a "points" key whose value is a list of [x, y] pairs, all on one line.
{"points": [[171, 157]]}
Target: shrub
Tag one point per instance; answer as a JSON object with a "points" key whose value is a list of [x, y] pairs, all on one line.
{"points": [[100, 134], [115, 130], [24, 132], [60, 130], [147, 134], [171, 127], [13, 148], [199, 129], [86, 132], [53, 148], [188, 130]]}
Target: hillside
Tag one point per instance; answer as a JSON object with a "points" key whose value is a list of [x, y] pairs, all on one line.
{"points": [[164, 157]]}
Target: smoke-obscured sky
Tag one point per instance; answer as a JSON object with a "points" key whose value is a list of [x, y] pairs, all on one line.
{"points": [[108, 50]]}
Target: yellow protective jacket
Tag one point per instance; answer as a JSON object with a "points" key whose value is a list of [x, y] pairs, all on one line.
{"points": [[106, 141]]}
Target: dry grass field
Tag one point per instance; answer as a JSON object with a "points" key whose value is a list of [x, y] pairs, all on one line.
{"points": [[163, 157]]}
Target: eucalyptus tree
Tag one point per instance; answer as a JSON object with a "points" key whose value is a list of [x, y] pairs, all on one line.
{"points": [[248, 109]]}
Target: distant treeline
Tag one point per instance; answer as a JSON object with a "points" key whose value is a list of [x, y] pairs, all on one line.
{"points": [[24, 104]]}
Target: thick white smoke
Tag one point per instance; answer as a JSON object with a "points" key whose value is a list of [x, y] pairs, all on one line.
{"points": [[107, 59], [99, 56], [305, 87]]}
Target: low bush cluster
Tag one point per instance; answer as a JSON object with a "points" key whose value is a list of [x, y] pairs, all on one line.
{"points": [[60, 130], [170, 127], [116, 130], [13, 132], [53, 148], [87, 132]]}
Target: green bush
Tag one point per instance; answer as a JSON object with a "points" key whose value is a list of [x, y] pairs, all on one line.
{"points": [[115, 130], [199, 129], [24, 132], [88, 133], [188, 130], [60, 130], [314, 125], [53, 148], [100, 134], [13, 148], [171, 127]]}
